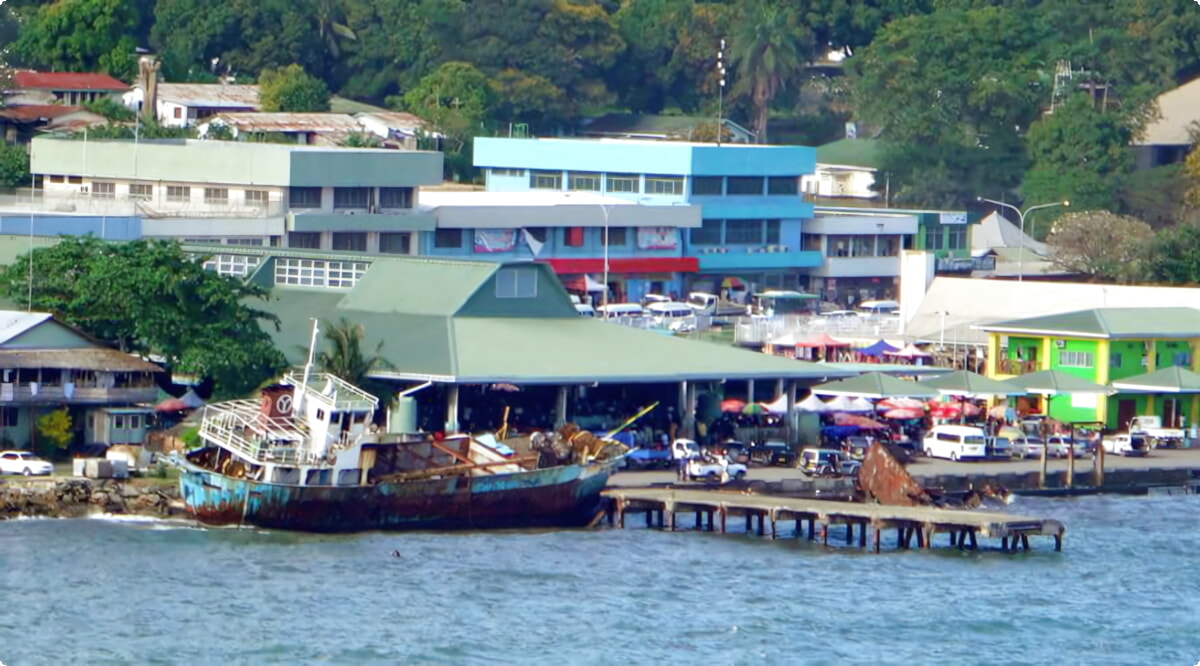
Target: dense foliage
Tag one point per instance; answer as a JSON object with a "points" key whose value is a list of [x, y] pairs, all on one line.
{"points": [[14, 166], [292, 89], [151, 298]]}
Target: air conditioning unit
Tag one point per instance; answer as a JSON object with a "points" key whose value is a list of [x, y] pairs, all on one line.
{"points": [[1060, 343]]}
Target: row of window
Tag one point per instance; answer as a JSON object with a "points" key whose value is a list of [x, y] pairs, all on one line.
{"points": [[318, 272], [173, 194], [352, 197], [736, 232], [864, 246], [390, 242], [588, 181], [953, 237]]}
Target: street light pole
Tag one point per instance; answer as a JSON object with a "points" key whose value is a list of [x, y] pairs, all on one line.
{"points": [[1021, 216], [604, 294], [720, 91]]}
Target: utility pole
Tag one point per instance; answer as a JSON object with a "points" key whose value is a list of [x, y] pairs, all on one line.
{"points": [[720, 91]]}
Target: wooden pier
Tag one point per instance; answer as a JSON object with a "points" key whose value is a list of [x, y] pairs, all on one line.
{"points": [[763, 513]]}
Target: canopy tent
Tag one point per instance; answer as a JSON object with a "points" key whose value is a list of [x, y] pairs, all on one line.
{"points": [[820, 340], [864, 422], [1053, 382], [875, 385], [967, 384], [903, 413], [910, 351], [844, 403], [812, 404], [1167, 380], [878, 349], [899, 403]]}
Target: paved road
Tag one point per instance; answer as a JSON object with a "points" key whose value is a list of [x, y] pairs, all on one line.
{"points": [[1158, 459]]}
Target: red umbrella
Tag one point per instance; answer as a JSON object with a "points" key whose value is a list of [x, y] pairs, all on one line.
{"points": [[733, 405], [900, 403], [902, 413], [946, 411]]}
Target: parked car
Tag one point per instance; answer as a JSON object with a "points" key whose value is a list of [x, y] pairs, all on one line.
{"points": [[841, 315], [24, 462], [826, 462], [955, 442], [737, 452], [774, 453], [1027, 446], [999, 448], [1126, 445], [709, 468], [856, 447]]}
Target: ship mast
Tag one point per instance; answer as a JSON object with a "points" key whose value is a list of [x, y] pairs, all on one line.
{"points": [[308, 364]]}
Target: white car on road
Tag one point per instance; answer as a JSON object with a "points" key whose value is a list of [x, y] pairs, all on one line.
{"points": [[24, 462], [710, 468]]}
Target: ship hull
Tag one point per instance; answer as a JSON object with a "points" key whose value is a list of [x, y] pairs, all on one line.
{"points": [[567, 496]]}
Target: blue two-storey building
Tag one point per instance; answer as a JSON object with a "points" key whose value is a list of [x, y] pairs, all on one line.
{"points": [[750, 210]]}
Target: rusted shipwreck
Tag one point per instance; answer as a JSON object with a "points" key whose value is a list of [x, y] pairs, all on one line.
{"points": [[307, 457]]}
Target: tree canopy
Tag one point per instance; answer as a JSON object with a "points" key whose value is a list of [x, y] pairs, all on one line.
{"points": [[1099, 244], [291, 89], [153, 299]]}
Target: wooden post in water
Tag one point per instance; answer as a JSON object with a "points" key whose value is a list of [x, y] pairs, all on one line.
{"points": [[825, 532], [953, 538], [811, 528], [774, 531], [1025, 542], [621, 513], [862, 535], [710, 519], [1042, 469], [927, 536], [849, 534], [649, 518], [749, 522], [875, 538], [699, 517], [1058, 543], [974, 544], [1098, 465], [668, 518], [1071, 458], [724, 515]]}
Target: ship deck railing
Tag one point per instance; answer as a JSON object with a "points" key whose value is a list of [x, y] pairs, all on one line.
{"points": [[271, 439], [337, 394]]}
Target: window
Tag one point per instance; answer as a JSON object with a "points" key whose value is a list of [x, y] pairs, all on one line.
{"points": [[57, 179], [1114, 360], [933, 238], [745, 185], [573, 237], [353, 241], [709, 233], [664, 185], [351, 197], [9, 417], [395, 197], [257, 198], [178, 112], [239, 265], [583, 180], [104, 190], [135, 421], [545, 180], [539, 233], [708, 185], [743, 232], [310, 240], [772, 232], [141, 192], [304, 197], [519, 173], [51, 377], [618, 236], [216, 195], [783, 185], [448, 238], [179, 193], [810, 242], [1074, 359], [118, 421], [394, 242], [318, 272], [889, 246], [516, 283], [75, 180], [252, 242], [623, 182], [956, 238]]}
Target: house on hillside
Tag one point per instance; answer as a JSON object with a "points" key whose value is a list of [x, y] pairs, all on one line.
{"points": [[1102, 345], [397, 128], [20, 123], [185, 104], [845, 173], [46, 365], [327, 129], [68, 88], [661, 128], [1168, 138]]}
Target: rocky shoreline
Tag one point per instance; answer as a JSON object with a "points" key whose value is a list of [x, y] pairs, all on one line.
{"points": [[75, 498]]}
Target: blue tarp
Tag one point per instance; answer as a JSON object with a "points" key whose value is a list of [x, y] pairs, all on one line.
{"points": [[837, 432], [878, 349]]}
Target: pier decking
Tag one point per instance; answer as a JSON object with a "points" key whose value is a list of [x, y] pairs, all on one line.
{"points": [[713, 508]]}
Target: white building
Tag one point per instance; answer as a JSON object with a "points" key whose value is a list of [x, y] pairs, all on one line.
{"points": [[185, 104], [845, 170]]}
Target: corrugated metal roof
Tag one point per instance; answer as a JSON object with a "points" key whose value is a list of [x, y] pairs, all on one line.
{"points": [[210, 95], [289, 122], [14, 323], [32, 80], [96, 358], [418, 286], [35, 112], [394, 119], [1110, 323]]}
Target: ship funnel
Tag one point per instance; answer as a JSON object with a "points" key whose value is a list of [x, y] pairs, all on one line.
{"points": [[277, 401]]}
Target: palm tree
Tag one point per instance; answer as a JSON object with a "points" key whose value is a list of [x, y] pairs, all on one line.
{"points": [[343, 358], [769, 47], [329, 15]]}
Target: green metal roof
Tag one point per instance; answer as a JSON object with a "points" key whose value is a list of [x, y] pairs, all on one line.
{"points": [[1167, 380], [969, 384], [1108, 324], [876, 385], [1053, 382], [851, 152]]}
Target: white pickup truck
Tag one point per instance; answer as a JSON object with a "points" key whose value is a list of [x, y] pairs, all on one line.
{"points": [[1157, 437], [712, 305], [1126, 445]]}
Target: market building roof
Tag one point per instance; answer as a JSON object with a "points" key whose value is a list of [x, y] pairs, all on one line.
{"points": [[210, 95], [476, 322], [1108, 324]]}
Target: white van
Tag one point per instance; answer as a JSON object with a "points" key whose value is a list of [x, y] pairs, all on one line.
{"points": [[879, 308], [630, 310], [956, 442]]}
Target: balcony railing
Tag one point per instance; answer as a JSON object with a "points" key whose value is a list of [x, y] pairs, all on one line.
{"points": [[1009, 366], [96, 205], [23, 395]]}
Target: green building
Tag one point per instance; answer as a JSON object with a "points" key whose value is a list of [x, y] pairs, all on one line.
{"points": [[1103, 345]]}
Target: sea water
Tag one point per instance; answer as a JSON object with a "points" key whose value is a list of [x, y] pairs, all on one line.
{"points": [[1123, 591]]}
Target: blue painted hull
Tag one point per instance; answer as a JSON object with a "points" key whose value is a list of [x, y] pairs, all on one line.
{"points": [[567, 496]]}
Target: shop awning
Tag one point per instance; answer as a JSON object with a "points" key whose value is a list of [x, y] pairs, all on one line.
{"points": [[626, 265]]}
